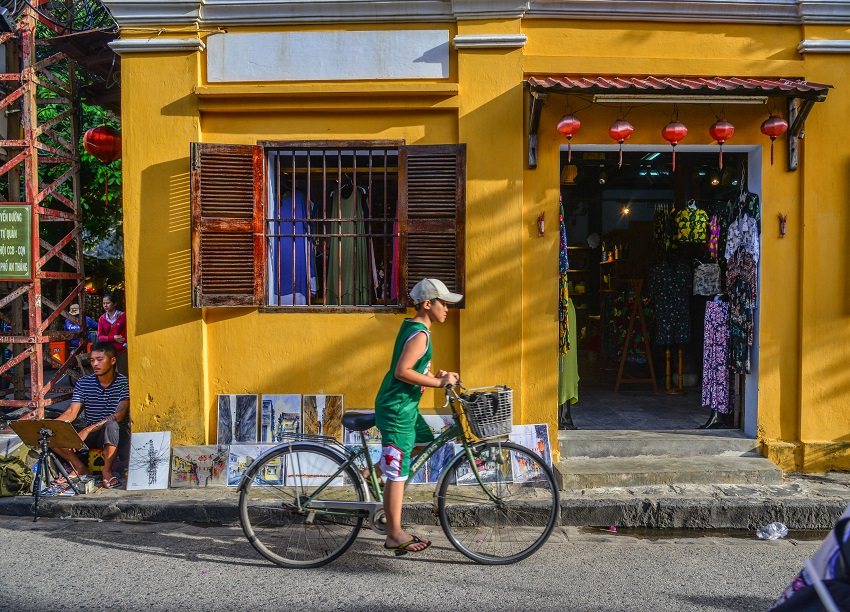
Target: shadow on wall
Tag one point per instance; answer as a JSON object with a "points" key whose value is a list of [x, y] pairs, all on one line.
{"points": [[163, 264]]}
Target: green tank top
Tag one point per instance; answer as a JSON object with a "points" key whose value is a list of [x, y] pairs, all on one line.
{"points": [[395, 394]]}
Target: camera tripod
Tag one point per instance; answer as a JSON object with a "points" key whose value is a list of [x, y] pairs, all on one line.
{"points": [[46, 434]]}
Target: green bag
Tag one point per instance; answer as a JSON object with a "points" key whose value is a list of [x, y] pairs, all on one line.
{"points": [[15, 474]]}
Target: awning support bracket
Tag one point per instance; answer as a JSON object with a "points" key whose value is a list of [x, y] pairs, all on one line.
{"points": [[535, 108]]}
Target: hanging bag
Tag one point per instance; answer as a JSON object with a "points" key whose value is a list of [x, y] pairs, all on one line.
{"points": [[707, 279], [15, 475]]}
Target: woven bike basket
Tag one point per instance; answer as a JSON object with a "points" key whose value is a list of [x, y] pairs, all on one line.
{"points": [[489, 411]]}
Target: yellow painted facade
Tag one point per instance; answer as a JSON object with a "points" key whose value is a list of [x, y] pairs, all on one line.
{"points": [[182, 357]]}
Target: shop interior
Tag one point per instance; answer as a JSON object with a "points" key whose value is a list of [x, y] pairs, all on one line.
{"points": [[638, 227]]}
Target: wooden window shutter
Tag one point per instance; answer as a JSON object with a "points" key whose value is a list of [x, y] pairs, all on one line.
{"points": [[432, 216], [228, 194]]}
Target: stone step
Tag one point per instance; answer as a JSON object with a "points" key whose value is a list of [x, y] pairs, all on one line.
{"points": [[573, 473], [597, 443]]}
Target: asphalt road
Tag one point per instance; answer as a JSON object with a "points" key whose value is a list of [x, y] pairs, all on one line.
{"points": [[90, 565]]}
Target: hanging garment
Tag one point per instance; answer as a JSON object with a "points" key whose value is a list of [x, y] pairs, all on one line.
{"points": [[663, 230], [692, 225], [563, 293], [670, 286], [568, 368], [291, 238], [715, 374], [707, 279], [713, 236], [617, 311], [349, 270]]}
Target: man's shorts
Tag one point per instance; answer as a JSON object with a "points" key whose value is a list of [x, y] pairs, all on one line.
{"points": [[398, 444]]}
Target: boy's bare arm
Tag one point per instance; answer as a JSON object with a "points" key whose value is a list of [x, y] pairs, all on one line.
{"points": [[404, 371]]}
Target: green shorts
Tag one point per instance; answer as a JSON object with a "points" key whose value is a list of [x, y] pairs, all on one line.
{"points": [[399, 434]]}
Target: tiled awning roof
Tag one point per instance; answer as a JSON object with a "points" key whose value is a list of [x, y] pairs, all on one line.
{"points": [[678, 85]]}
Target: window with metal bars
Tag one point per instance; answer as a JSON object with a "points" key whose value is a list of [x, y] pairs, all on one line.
{"points": [[325, 226], [332, 227]]}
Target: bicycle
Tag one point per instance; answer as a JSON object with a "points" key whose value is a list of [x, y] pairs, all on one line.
{"points": [[303, 502]]}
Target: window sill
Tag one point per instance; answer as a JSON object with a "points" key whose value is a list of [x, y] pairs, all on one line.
{"points": [[333, 309]]}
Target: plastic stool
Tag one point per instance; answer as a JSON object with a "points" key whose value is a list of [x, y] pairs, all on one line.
{"points": [[95, 461]]}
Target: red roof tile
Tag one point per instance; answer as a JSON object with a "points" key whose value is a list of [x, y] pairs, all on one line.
{"points": [[660, 84]]}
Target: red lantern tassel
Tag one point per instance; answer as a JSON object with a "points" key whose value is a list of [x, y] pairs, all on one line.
{"points": [[569, 151], [674, 158], [620, 165], [772, 140], [721, 156]]}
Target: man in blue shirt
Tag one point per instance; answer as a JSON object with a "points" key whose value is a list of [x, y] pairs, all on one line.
{"points": [[105, 397]]}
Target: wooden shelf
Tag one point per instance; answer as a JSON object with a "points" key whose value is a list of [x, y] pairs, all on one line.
{"points": [[577, 271], [575, 248], [613, 261]]}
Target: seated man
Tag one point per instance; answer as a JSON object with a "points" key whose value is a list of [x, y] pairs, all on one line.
{"points": [[105, 397]]}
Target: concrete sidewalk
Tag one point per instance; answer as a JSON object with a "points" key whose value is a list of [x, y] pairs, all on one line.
{"points": [[801, 501]]}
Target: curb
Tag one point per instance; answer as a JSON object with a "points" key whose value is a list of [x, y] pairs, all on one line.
{"points": [[665, 513]]}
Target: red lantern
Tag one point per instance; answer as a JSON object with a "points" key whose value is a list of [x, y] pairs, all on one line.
{"points": [[620, 131], [569, 126], [721, 131], [773, 126], [673, 132], [104, 143]]}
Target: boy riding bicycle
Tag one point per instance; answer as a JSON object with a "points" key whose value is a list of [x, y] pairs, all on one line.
{"points": [[397, 404]]}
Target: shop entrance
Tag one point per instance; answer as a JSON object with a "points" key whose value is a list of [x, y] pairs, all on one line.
{"points": [[641, 230]]}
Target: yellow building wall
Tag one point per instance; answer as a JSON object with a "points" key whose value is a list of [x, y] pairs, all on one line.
{"points": [[181, 358]]}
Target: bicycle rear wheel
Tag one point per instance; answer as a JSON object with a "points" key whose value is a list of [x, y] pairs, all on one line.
{"points": [[510, 515], [275, 513]]}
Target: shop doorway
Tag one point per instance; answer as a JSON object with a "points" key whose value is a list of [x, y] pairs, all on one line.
{"points": [[617, 246]]}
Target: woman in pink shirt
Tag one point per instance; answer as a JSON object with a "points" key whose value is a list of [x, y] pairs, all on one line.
{"points": [[112, 327]]}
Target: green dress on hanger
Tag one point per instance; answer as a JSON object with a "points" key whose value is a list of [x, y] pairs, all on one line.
{"points": [[568, 367], [342, 252]]}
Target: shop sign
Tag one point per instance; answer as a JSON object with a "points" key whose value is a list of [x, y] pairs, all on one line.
{"points": [[16, 242]]}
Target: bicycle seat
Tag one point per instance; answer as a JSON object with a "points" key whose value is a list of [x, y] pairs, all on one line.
{"points": [[358, 420]]}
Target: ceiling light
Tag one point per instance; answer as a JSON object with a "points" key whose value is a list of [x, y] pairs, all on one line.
{"points": [[651, 156], [714, 178], [626, 209], [678, 98], [603, 176]]}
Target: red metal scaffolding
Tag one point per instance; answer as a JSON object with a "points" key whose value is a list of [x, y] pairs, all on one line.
{"points": [[41, 170]]}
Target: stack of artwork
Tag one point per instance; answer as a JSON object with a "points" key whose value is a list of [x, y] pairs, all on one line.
{"points": [[248, 425]]}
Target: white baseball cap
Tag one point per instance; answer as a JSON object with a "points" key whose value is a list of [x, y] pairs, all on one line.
{"points": [[433, 289]]}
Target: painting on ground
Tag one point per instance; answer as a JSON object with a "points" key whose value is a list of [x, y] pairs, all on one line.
{"points": [[240, 458], [149, 460], [198, 466], [536, 438], [237, 419], [491, 470], [280, 414], [438, 461], [322, 415], [438, 422]]}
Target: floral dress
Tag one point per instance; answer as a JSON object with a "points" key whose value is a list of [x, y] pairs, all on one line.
{"points": [[715, 373]]}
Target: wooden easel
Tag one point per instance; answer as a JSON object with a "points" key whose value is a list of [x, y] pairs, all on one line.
{"points": [[636, 313], [680, 390]]}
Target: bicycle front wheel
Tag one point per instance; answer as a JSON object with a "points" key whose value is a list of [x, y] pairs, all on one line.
{"points": [[501, 507], [275, 511]]}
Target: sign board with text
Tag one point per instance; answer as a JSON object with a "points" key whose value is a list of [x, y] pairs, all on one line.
{"points": [[15, 242]]}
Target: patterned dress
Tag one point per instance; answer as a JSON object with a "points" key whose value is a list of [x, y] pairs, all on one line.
{"points": [[670, 287], [563, 294], [715, 374]]}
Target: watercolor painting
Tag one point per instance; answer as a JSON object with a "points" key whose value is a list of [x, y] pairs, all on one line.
{"points": [[489, 470], [237, 419], [308, 470], [198, 466], [280, 414], [240, 458], [322, 415], [535, 438], [438, 422], [149, 460], [438, 461]]}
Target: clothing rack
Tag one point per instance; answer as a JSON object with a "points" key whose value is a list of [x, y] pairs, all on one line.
{"points": [[636, 313]]}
